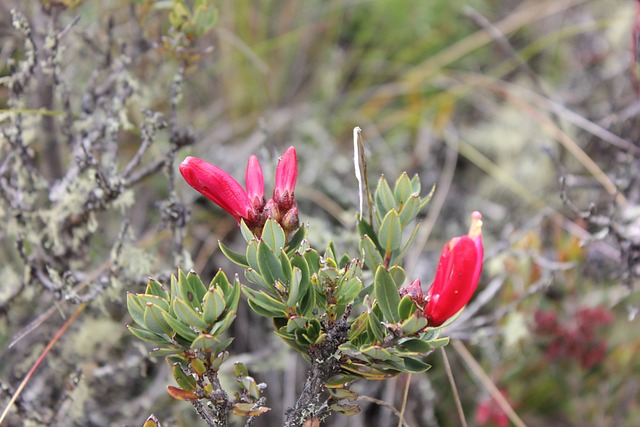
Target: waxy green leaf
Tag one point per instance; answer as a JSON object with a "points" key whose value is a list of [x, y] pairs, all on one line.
{"points": [[387, 295], [273, 235], [213, 305], [180, 328], [148, 336], [390, 234], [188, 315], [234, 257]]}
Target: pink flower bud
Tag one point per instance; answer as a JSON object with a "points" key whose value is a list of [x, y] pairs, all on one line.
{"points": [[217, 186], [254, 181], [457, 275], [290, 221], [286, 176], [414, 290], [271, 211]]}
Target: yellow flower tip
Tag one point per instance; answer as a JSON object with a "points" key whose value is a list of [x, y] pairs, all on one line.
{"points": [[475, 229]]}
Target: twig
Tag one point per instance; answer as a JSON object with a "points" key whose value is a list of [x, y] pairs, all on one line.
{"points": [[386, 405], [475, 367], [452, 383], [324, 366], [405, 397], [44, 353]]}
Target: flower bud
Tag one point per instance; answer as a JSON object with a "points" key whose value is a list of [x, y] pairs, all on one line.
{"points": [[286, 177], [254, 181]]}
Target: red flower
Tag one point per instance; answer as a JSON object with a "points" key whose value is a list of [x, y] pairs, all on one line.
{"points": [[457, 275], [217, 186], [248, 205]]}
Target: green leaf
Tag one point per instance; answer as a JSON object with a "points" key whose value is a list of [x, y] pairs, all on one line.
{"points": [[414, 233], [358, 326], [410, 210], [387, 295], [220, 280], [398, 275], [364, 228], [415, 184], [188, 315], [232, 297], [179, 14], [384, 198], [270, 268], [313, 259], [144, 299], [213, 305], [136, 310], [372, 257], [390, 233], [255, 278], [154, 320], [309, 300], [218, 359], [377, 352], [181, 328], [415, 366], [403, 190], [234, 257], [375, 327], [196, 284], [330, 253], [427, 199], [294, 288], [285, 264], [296, 239], [268, 306], [240, 370], [187, 290], [156, 288], [165, 351], [252, 255], [147, 336], [406, 308], [440, 342], [300, 263], [344, 260], [211, 343], [349, 290], [414, 324], [416, 345], [224, 323], [246, 232], [173, 291], [273, 235], [186, 382]]}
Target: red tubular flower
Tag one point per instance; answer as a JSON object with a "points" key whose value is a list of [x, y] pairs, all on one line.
{"points": [[217, 186], [457, 275]]}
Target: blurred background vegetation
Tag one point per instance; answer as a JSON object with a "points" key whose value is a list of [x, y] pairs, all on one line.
{"points": [[522, 109]]}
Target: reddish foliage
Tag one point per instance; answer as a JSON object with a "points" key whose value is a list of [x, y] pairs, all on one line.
{"points": [[576, 340]]}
